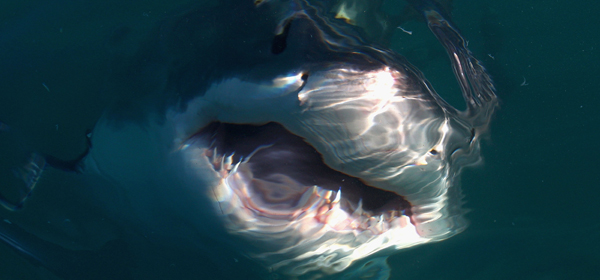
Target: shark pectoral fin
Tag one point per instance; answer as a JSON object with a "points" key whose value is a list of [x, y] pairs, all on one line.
{"points": [[373, 269], [27, 177], [475, 83], [21, 169]]}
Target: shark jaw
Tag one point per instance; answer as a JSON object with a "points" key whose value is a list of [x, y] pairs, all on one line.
{"points": [[267, 201], [325, 168]]}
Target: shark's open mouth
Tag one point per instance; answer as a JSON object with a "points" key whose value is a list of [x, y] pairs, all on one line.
{"points": [[276, 174], [291, 209]]}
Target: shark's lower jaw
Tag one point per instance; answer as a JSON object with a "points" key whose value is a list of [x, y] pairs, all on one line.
{"points": [[357, 162]]}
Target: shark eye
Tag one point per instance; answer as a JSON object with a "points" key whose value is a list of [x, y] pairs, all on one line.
{"points": [[304, 76]]}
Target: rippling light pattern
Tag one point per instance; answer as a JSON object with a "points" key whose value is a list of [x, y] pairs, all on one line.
{"points": [[393, 137]]}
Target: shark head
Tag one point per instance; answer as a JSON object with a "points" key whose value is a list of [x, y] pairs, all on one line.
{"points": [[275, 130]]}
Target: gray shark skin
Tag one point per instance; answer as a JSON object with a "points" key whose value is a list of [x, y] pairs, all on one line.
{"points": [[267, 140]]}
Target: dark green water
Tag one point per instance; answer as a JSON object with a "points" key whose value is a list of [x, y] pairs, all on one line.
{"points": [[533, 203]]}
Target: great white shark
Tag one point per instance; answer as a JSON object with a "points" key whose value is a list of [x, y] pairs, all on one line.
{"points": [[273, 134]]}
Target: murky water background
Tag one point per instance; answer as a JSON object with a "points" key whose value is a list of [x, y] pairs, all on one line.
{"points": [[533, 204]]}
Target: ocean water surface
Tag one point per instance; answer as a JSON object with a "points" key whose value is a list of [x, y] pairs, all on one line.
{"points": [[533, 203]]}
